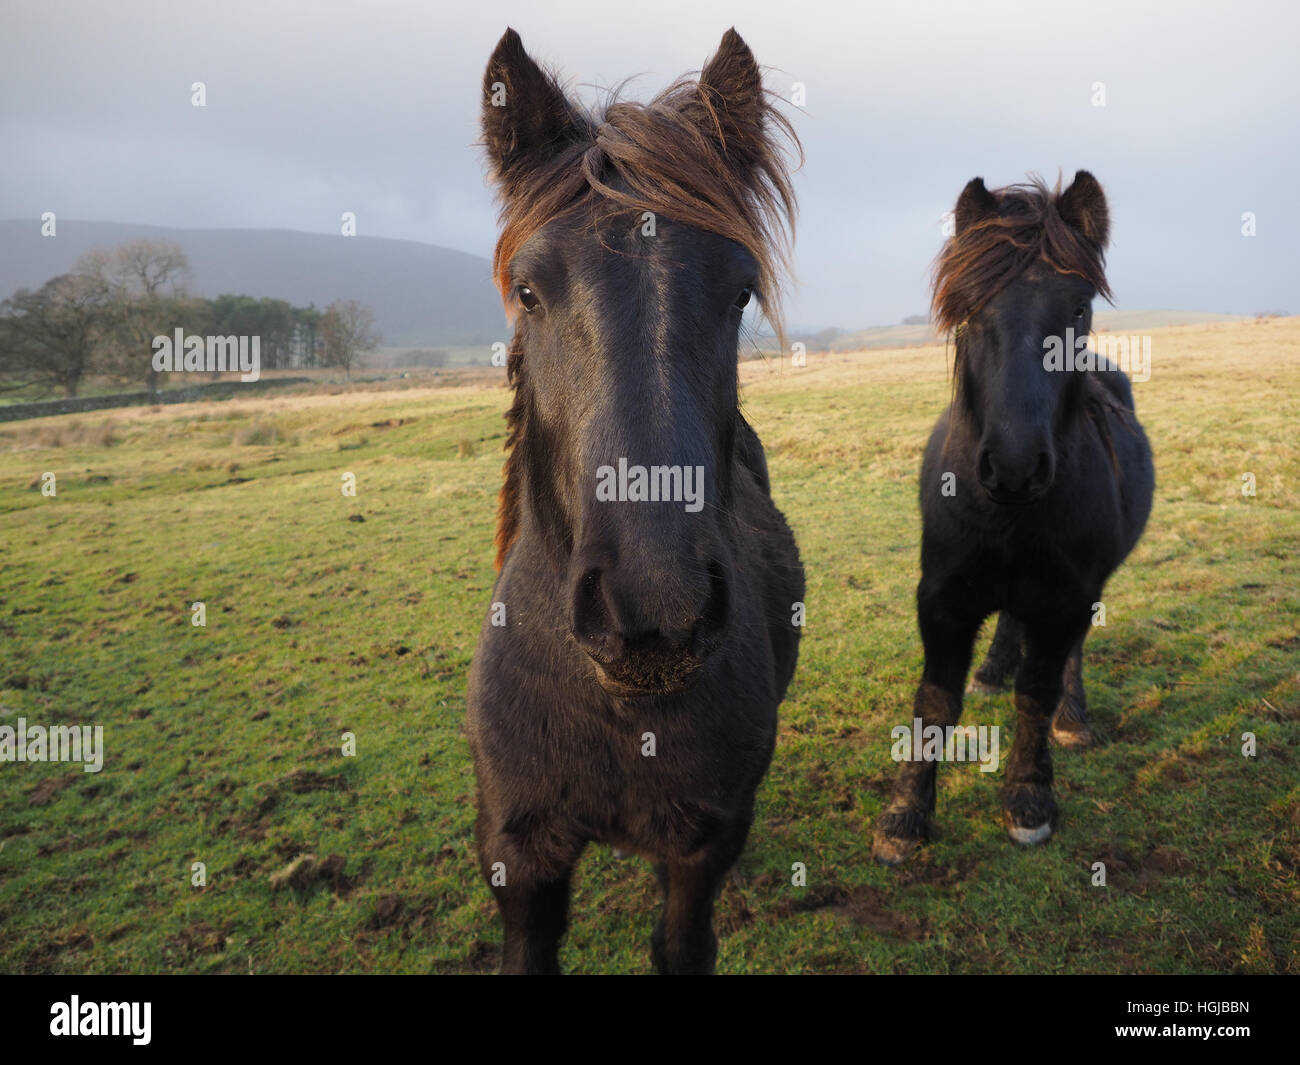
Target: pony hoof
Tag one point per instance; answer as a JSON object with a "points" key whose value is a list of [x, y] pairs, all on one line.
{"points": [[1072, 735], [980, 687], [619, 854], [1029, 837], [1030, 813], [892, 850], [898, 833]]}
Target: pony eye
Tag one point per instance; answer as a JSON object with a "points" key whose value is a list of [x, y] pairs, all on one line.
{"points": [[742, 301], [528, 299], [1080, 310]]}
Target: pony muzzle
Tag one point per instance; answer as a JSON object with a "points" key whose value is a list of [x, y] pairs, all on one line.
{"points": [[1016, 475], [636, 641]]}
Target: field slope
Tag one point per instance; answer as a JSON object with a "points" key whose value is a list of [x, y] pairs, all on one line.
{"points": [[328, 614]]}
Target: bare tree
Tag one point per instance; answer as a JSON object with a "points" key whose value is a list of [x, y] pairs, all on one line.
{"points": [[347, 328], [146, 285], [151, 269]]}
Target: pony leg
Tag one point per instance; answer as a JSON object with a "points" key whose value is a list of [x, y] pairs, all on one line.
{"points": [[1070, 726], [905, 822], [1003, 659], [532, 897], [535, 915], [1027, 788], [684, 941]]}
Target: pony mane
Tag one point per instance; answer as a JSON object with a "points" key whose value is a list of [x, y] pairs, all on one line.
{"points": [[977, 263], [673, 158], [512, 473]]}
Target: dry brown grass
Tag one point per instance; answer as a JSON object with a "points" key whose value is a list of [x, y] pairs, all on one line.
{"points": [[1183, 405], [60, 432], [255, 433]]}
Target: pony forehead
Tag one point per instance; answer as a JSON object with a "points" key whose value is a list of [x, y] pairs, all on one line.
{"points": [[632, 233], [982, 260], [658, 157]]}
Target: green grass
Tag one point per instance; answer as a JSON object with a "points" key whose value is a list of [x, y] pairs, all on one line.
{"points": [[224, 743]]}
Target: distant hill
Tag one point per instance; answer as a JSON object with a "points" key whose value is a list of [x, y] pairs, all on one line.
{"points": [[421, 294], [904, 336]]}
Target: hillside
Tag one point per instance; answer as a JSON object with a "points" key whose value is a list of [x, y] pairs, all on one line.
{"points": [[421, 293]]}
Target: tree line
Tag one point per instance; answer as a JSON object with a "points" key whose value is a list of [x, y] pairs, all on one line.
{"points": [[101, 318]]}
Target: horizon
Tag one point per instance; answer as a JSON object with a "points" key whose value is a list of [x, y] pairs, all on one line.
{"points": [[795, 328]]}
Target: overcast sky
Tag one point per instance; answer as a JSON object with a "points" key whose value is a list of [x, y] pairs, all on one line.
{"points": [[318, 108]]}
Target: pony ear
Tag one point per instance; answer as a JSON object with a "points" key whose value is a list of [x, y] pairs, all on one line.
{"points": [[974, 205], [732, 85], [1083, 205], [526, 115]]}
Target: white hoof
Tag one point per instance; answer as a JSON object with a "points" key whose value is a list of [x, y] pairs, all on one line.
{"points": [[1029, 836]]}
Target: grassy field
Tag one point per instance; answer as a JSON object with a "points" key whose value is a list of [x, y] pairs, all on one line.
{"points": [[328, 614]]}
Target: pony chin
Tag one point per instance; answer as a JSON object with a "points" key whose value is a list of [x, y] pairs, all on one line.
{"points": [[661, 677]]}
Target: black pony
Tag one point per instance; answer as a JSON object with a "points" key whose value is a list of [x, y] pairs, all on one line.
{"points": [[1036, 484], [642, 633]]}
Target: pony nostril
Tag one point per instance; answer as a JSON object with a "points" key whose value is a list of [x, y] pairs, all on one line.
{"points": [[713, 618], [986, 473], [642, 640], [591, 621]]}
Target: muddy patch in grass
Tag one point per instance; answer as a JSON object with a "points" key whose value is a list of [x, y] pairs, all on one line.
{"points": [[927, 868], [863, 905], [302, 781], [1127, 870], [50, 787], [483, 957], [197, 940], [307, 871]]}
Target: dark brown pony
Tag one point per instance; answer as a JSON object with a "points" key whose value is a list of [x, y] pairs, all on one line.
{"points": [[1036, 483], [626, 683]]}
